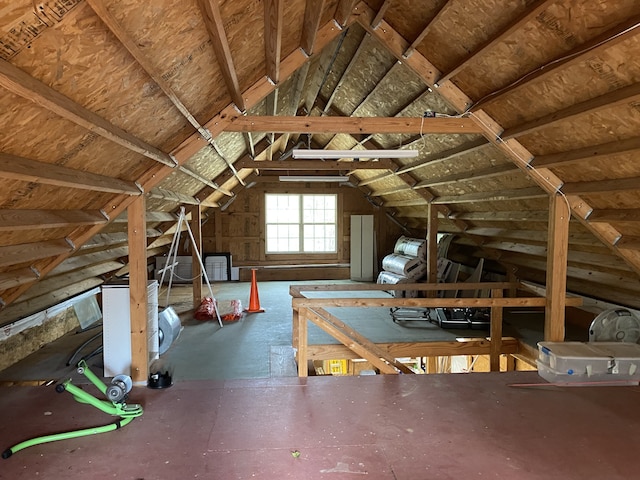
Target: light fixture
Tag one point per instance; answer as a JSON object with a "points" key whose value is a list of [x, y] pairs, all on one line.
{"points": [[313, 178], [336, 154]]}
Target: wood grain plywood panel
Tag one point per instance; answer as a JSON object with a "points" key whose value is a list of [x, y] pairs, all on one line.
{"points": [[16, 194], [607, 71], [555, 31], [173, 35], [82, 60], [352, 39], [247, 50], [410, 25]]}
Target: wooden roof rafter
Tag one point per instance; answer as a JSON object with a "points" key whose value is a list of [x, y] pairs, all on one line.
{"points": [[154, 73], [312, 14], [11, 220], [375, 23], [20, 83], [549, 182], [421, 36], [525, 17], [27, 170], [213, 21], [609, 215], [273, 24], [588, 49]]}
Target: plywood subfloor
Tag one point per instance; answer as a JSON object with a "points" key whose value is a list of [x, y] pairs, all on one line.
{"points": [[376, 427]]}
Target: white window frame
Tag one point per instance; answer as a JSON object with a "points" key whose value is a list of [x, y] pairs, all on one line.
{"points": [[300, 225]]}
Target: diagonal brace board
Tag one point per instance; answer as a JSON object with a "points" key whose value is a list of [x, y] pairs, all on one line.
{"points": [[355, 342]]}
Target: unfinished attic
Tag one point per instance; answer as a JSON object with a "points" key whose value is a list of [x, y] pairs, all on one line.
{"points": [[298, 143]]}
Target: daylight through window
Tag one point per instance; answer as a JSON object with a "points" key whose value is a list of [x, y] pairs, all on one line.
{"points": [[300, 223]]}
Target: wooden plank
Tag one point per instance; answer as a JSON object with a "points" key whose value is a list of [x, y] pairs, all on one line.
{"points": [[496, 333], [421, 36], [609, 100], [11, 220], [429, 302], [586, 154], [588, 49], [432, 245], [132, 47], [352, 125], [302, 341], [24, 85], [215, 26], [601, 186], [196, 254], [296, 290], [477, 346], [375, 23], [503, 195], [557, 250], [505, 216], [352, 62], [15, 278], [346, 340], [312, 13], [151, 217], [27, 170], [525, 17], [615, 215], [629, 242], [177, 197], [450, 154], [154, 175], [28, 252], [138, 301], [273, 23], [82, 261], [344, 11], [469, 176]]}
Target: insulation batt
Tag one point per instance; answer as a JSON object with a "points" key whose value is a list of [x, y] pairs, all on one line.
{"points": [[410, 267], [411, 247]]}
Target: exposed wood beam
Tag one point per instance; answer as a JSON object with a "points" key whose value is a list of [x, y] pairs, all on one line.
{"points": [[138, 296], [299, 82], [559, 215], [312, 14], [204, 180], [15, 278], [589, 49], [380, 14], [193, 144], [271, 103], [320, 73], [20, 83], [380, 84], [151, 217], [132, 47], [27, 170], [609, 100], [601, 186], [470, 176], [503, 195], [421, 36], [450, 154], [273, 23], [196, 254], [590, 153], [390, 191], [343, 11], [615, 215], [518, 216], [11, 220], [514, 150], [28, 252], [355, 125], [525, 17], [343, 77], [177, 197], [82, 261], [215, 26], [417, 202], [629, 242]]}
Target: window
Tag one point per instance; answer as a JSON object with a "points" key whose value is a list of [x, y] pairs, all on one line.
{"points": [[301, 223]]}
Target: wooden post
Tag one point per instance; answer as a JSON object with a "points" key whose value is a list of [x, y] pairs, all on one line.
{"points": [[196, 254], [303, 369], [496, 333], [138, 298], [512, 278], [432, 364], [432, 247], [294, 329], [557, 252]]}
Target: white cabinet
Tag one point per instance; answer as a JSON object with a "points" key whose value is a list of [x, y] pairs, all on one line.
{"points": [[362, 248], [116, 331]]}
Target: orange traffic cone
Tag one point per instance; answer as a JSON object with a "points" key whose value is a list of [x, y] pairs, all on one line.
{"points": [[254, 300]]}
